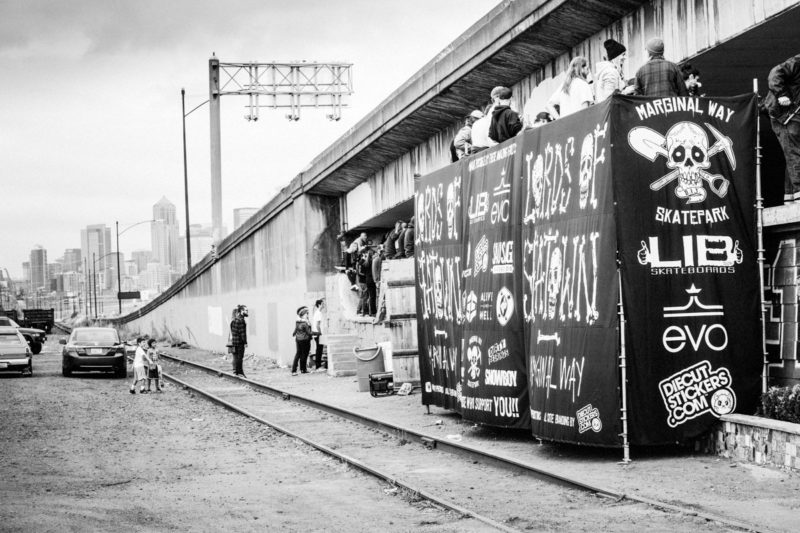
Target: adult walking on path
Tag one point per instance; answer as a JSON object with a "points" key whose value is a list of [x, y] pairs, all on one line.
{"points": [[302, 338], [659, 77], [239, 338], [783, 105]]}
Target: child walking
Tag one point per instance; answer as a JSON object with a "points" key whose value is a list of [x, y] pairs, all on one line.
{"points": [[154, 369], [139, 373]]}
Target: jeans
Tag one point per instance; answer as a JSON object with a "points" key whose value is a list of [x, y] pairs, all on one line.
{"points": [[789, 138], [238, 358], [318, 352], [303, 347]]}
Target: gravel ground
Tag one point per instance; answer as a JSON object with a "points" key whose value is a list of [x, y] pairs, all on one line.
{"points": [[82, 454], [765, 496]]}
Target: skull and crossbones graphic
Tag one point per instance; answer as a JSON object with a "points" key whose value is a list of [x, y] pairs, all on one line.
{"points": [[688, 155]]}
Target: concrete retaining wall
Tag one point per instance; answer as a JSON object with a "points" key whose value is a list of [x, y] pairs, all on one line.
{"points": [[757, 440]]}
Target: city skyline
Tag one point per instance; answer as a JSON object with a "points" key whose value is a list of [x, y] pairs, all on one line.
{"points": [[93, 120]]}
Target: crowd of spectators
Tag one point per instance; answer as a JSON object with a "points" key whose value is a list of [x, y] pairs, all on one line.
{"points": [[363, 261], [578, 90]]}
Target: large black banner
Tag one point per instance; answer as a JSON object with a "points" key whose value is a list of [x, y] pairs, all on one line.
{"points": [[570, 279], [683, 175], [494, 389], [438, 249]]}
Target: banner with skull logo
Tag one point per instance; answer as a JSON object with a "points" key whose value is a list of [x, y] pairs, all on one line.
{"points": [[570, 288], [684, 186], [494, 387], [440, 302]]}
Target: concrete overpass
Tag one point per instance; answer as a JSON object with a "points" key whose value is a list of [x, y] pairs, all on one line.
{"points": [[281, 257]]}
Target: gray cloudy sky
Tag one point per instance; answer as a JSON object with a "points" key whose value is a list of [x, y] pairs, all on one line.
{"points": [[90, 119]]}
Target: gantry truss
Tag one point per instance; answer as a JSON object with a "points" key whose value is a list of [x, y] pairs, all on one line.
{"points": [[290, 85]]}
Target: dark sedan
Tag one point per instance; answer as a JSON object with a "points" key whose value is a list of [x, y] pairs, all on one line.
{"points": [[15, 354], [89, 349]]}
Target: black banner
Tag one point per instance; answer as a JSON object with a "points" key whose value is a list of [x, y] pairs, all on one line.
{"points": [[683, 175], [570, 279], [438, 249], [494, 388]]}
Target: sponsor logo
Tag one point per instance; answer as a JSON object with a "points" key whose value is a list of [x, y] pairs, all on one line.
{"points": [[505, 306], [498, 351], [501, 205], [478, 207], [471, 306], [500, 378], [699, 254], [474, 356], [695, 391], [692, 217], [588, 418], [685, 147], [481, 256], [485, 306], [503, 257], [677, 337]]}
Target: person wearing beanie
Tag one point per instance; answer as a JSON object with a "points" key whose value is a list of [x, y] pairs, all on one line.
{"points": [[463, 139], [659, 77], [608, 77], [505, 122]]}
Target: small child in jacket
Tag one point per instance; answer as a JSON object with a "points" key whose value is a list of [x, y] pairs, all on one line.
{"points": [[302, 337], [154, 368]]}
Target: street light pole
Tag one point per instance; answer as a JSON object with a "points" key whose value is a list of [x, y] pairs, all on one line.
{"points": [[94, 283], [186, 183], [119, 276]]}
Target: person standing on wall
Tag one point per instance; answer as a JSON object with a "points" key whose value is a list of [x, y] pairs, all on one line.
{"points": [[659, 77], [239, 339], [574, 93], [302, 339], [463, 139], [316, 332], [608, 80], [783, 105], [505, 122]]}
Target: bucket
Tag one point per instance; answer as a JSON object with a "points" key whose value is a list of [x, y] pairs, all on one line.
{"points": [[368, 361]]}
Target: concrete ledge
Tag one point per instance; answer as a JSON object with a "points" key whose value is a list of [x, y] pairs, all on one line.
{"points": [[765, 423], [757, 440]]}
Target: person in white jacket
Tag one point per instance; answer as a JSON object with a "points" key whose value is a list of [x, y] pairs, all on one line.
{"points": [[608, 79]]}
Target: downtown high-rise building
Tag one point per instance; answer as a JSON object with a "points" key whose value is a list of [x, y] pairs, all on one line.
{"points": [[38, 269], [73, 261], [241, 214], [96, 252], [164, 234]]}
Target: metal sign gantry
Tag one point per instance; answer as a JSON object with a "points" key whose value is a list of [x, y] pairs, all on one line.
{"points": [[279, 84]]}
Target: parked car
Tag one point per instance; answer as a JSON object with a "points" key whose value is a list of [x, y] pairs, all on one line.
{"points": [[15, 354], [89, 349], [34, 336]]}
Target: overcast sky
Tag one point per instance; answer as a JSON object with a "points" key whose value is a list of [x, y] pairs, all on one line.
{"points": [[90, 117]]}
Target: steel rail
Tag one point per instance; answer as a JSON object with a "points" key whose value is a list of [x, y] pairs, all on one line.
{"points": [[344, 458], [471, 451]]}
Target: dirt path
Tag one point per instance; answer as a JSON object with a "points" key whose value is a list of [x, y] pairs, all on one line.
{"points": [[81, 454]]}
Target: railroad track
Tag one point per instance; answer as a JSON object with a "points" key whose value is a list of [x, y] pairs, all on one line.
{"points": [[354, 439], [382, 449]]}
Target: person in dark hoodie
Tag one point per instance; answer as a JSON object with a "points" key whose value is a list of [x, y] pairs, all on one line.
{"points": [[505, 122], [302, 338]]}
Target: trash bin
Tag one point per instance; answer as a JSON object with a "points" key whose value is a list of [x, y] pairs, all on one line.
{"points": [[368, 361]]}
